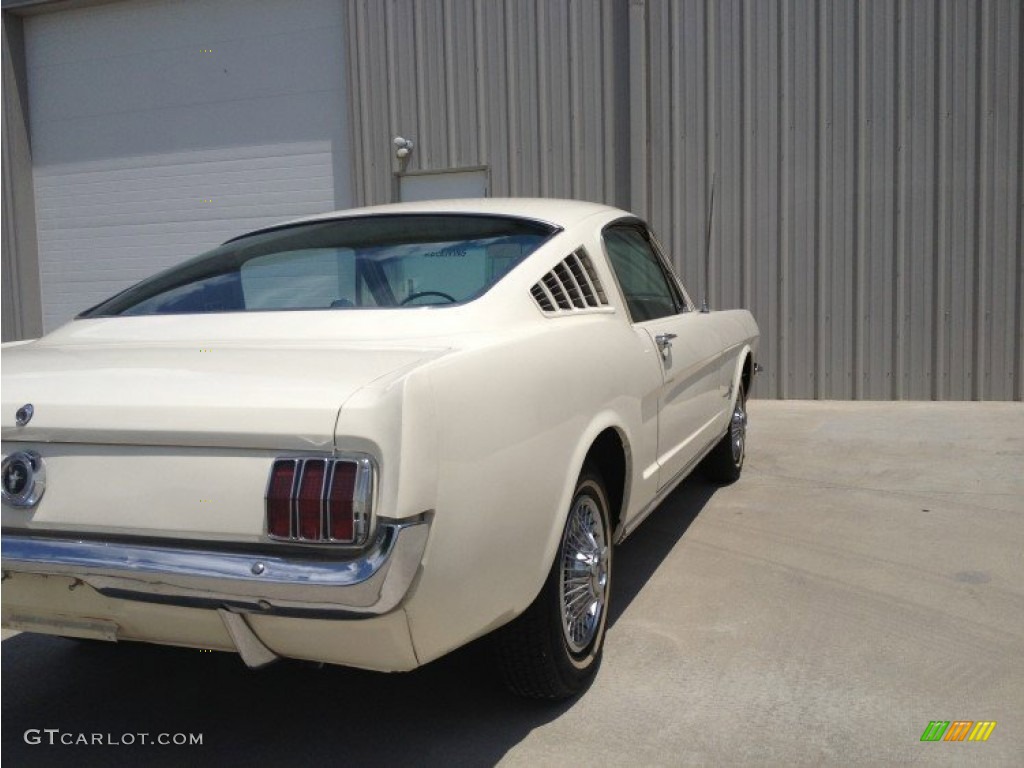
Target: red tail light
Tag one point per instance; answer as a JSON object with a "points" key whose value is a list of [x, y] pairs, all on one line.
{"points": [[310, 501], [279, 498], [321, 500]]}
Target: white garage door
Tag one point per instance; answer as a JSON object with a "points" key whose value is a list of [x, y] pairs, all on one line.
{"points": [[161, 129]]}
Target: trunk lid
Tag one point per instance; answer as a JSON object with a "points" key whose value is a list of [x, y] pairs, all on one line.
{"points": [[238, 395]]}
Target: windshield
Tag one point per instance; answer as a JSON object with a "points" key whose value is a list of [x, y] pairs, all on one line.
{"points": [[353, 263]]}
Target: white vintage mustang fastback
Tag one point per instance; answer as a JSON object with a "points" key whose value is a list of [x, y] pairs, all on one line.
{"points": [[367, 438]]}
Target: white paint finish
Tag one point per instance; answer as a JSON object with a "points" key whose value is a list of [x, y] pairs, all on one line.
{"points": [[160, 129], [481, 413], [444, 185], [691, 408]]}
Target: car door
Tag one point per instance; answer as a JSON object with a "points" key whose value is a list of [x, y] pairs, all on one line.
{"points": [[690, 401]]}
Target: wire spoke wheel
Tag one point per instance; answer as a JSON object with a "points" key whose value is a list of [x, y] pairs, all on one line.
{"points": [[583, 586], [553, 649], [738, 430], [724, 462]]}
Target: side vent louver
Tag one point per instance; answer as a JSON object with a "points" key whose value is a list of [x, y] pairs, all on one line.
{"points": [[571, 285]]}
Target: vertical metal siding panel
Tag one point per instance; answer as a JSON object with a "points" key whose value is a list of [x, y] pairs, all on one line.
{"points": [[556, 124], [610, 105], [784, 64], [900, 285], [673, 238], [1019, 211], [450, 84], [480, 64], [711, 147], [640, 66], [981, 250], [591, 118], [841, 208], [988, 360], [766, 221], [659, 101], [360, 119], [879, 185], [499, 123], [525, 61], [800, 217], [962, 188], [822, 223], [729, 128], [863, 155], [1016, 208], [431, 149], [921, 117], [1003, 161], [544, 51], [357, 119], [393, 125], [374, 103], [463, 137], [689, 90], [512, 76], [940, 382], [575, 98], [746, 202], [400, 40]]}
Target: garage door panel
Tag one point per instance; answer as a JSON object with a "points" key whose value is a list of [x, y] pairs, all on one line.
{"points": [[284, 120], [181, 78], [128, 209], [135, 173], [148, 150], [138, 26]]}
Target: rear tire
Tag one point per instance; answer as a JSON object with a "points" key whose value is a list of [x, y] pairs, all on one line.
{"points": [[553, 649], [725, 462]]}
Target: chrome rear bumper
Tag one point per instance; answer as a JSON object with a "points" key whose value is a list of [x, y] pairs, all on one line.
{"points": [[370, 584]]}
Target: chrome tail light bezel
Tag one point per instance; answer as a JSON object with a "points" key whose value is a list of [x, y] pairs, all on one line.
{"points": [[364, 496]]}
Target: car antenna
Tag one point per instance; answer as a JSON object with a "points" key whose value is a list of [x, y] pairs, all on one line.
{"points": [[707, 249]]}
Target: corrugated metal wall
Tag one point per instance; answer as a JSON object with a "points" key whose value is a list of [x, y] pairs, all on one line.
{"points": [[866, 155], [867, 158], [532, 89]]}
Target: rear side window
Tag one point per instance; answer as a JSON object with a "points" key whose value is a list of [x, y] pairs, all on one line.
{"points": [[361, 262], [648, 291]]}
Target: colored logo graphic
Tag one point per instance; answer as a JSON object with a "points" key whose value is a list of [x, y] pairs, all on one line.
{"points": [[958, 730]]}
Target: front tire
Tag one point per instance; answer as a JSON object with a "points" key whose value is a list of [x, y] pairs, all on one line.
{"points": [[554, 648], [725, 462]]}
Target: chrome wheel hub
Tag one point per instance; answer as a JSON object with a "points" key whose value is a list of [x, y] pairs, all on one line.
{"points": [[738, 429], [583, 587]]}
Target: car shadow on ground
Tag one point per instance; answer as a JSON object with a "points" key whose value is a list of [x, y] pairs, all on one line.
{"points": [[453, 711]]}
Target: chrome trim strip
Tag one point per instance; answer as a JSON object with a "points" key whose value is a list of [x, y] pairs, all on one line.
{"points": [[362, 494], [369, 584]]}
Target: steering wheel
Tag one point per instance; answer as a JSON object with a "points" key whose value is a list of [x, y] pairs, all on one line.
{"points": [[420, 294]]}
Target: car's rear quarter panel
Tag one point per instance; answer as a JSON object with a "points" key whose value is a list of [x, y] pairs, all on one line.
{"points": [[514, 421]]}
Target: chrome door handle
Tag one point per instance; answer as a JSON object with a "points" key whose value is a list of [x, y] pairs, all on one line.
{"points": [[664, 342]]}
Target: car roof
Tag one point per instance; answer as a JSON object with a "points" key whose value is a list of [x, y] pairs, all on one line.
{"points": [[561, 213]]}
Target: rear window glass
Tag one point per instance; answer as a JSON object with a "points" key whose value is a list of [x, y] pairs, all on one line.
{"points": [[355, 263]]}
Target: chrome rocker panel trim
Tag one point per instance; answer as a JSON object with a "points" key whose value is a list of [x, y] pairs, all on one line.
{"points": [[371, 584]]}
